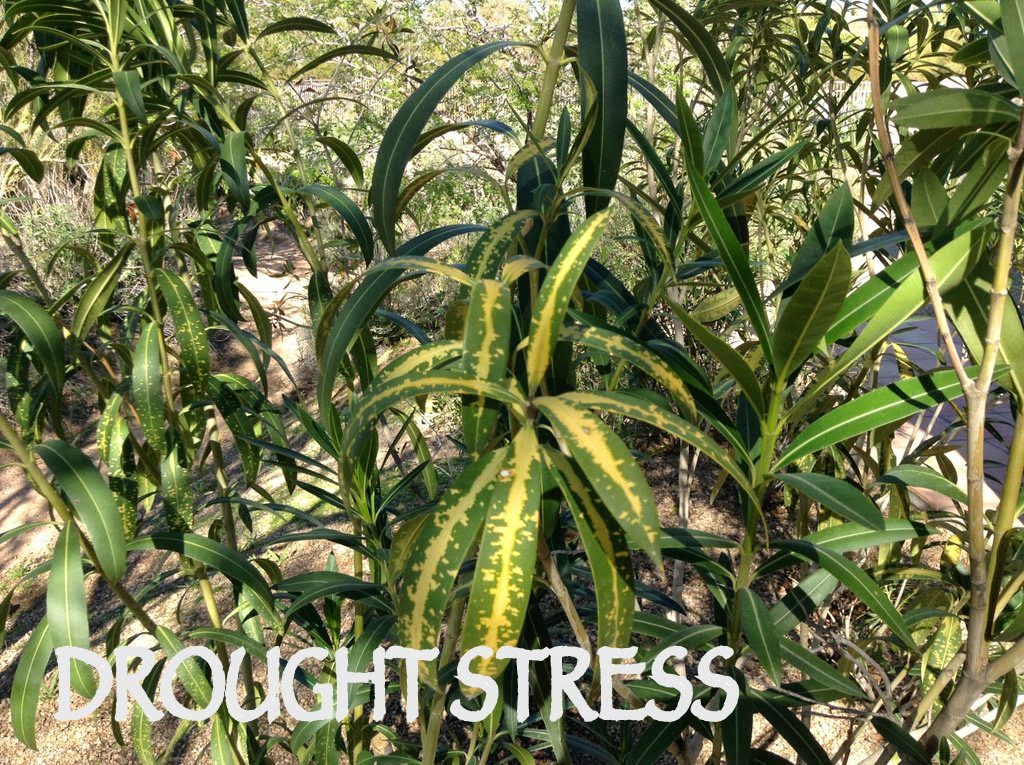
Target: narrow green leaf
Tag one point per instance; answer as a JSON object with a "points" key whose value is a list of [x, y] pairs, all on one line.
{"points": [[720, 131], [833, 225], [795, 732], [28, 160], [28, 683], [129, 87], [810, 310], [41, 331], [346, 154], [848, 537], [233, 165], [191, 332], [190, 671], [875, 408], [147, 386], [90, 500], [220, 743], [757, 175], [66, 606], [736, 259], [838, 496], [218, 557], [954, 107], [968, 306], [730, 359], [296, 24], [176, 492], [858, 582], [349, 212], [760, 634], [818, 669], [97, 295], [697, 39], [602, 56], [1012, 12], [924, 477], [400, 138], [908, 747], [803, 600]]}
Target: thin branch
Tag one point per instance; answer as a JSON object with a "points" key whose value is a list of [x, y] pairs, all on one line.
{"points": [[924, 264]]}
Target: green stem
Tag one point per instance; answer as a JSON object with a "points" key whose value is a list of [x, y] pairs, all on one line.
{"points": [[43, 487], [554, 66]]}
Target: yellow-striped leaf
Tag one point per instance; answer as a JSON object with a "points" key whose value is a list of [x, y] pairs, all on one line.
{"points": [[396, 390], [620, 346], [421, 263], [421, 359], [634, 407], [486, 341], [431, 559], [503, 579], [607, 551], [485, 258], [555, 294], [610, 468]]}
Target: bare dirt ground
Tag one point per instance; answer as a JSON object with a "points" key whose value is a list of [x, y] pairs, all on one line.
{"points": [[280, 287]]}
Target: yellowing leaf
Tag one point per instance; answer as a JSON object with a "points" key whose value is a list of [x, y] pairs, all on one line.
{"points": [[610, 468], [508, 552], [555, 294], [441, 540]]}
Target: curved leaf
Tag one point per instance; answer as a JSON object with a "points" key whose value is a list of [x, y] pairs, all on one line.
{"points": [[66, 606], [838, 496], [610, 468], [399, 141], [503, 579], [556, 292], [28, 683], [41, 331], [440, 544], [90, 500], [349, 212]]}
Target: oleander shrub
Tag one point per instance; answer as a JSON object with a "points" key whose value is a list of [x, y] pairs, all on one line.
{"points": [[609, 243]]}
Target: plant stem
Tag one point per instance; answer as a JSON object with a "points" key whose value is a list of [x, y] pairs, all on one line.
{"points": [[888, 158], [553, 67], [43, 487], [563, 596]]}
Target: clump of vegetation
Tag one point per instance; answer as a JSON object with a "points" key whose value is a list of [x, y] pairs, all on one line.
{"points": [[709, 227]]}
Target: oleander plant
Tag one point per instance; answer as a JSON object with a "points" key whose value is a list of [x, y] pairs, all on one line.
{"points": [[660, 324]]}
